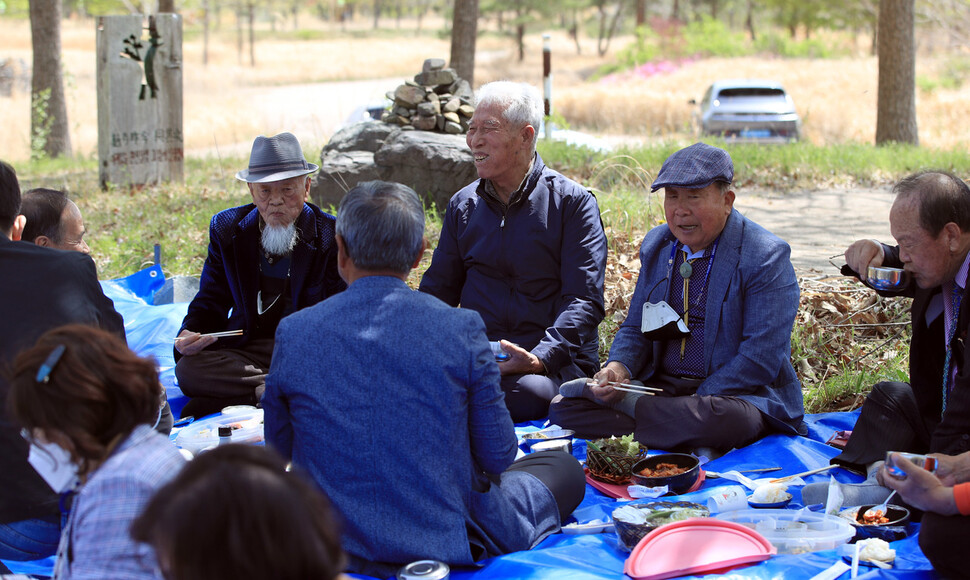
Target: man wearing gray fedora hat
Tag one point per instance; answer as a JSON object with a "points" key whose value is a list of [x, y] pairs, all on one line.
{"points": [[266, 260]]}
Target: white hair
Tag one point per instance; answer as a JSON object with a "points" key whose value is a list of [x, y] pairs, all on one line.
{"points": [[521, 103]]}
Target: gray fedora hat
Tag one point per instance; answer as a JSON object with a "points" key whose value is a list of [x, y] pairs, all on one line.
{"points": [[274, 159]]}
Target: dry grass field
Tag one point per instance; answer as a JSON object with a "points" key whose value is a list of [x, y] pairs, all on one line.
{"points": [[227, 103]]}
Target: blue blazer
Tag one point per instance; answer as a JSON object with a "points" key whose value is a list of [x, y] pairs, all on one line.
{"points": [[230, 276], [390, 399], [752, 300]]}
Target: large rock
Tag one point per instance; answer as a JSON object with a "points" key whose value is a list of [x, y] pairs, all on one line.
{"points": [[434, 165], [339, 171], [360, 137]]}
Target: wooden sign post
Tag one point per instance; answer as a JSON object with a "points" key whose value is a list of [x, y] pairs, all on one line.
{"points": [[139, 77]]}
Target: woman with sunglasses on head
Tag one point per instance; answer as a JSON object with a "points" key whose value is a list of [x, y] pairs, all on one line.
{"points": [[88, 405]]}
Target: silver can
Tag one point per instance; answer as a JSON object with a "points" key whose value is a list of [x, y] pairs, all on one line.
{"points": [[424, 570]]}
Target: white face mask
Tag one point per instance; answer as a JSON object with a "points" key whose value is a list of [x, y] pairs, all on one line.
{"points": [[53, 463]]}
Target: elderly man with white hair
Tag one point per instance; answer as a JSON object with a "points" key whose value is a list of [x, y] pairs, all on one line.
{"points": [[524, 247], [266, 260]]}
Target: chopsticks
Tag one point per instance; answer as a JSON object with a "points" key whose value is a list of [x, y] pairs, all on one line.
{"points": [[802, 474], [218, 334], [717, 474], [635, 389], [629, 388]]}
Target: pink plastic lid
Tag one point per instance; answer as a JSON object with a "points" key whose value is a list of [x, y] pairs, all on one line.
{"points": [[697, 545]]}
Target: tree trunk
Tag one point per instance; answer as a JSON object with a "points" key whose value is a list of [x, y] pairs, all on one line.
{"points": [[714, 9], [574, 31], [205, 32], [520, 39], [166, 6], [874, 45], [896, 108], [464, 33], [239, 32], [49, 134], [749, 20], [675, 10], [252, 34], [603, 42], [641, 12], [377, 12]]}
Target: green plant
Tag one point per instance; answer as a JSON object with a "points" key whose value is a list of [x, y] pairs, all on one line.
{"points": [[709, 37], [784, 45], [41, 123], [956, 71]]}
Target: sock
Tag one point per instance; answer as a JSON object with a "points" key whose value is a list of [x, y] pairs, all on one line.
{"points": [[628, 404], [576, 389]]}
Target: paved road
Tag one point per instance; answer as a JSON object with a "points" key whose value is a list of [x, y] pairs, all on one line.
{"points": [[820, 224]]}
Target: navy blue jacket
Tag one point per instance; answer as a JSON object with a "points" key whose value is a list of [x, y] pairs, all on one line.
{"points": [[404, 426], [533, 270], [230, 276]]}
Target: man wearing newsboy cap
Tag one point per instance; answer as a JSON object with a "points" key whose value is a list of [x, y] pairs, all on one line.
{"points": [[709, 326], [266, 259]]}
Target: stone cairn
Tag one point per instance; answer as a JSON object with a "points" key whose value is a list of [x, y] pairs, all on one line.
{"points": [[436, 100]]}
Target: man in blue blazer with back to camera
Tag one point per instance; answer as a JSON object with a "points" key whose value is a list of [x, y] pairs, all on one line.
{"points": [[390, 399], [709, 326]]}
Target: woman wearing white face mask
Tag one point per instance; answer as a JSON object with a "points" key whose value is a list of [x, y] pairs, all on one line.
{"points": [[87, 405]]}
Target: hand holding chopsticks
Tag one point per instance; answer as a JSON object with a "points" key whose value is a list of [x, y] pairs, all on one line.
{"points": [[189, 343], [627, 387]]}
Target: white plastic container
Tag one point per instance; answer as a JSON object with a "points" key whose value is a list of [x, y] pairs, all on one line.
{"points": [[794, 531], [247, 427]]}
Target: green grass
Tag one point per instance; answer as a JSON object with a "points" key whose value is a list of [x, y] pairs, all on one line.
{"points": [[834, 363], [803, 165]]}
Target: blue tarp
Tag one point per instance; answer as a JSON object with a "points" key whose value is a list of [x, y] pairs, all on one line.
{"points": [[151, 329]]}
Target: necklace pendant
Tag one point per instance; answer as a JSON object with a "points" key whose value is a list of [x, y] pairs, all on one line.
{"points": [[686, 270]]}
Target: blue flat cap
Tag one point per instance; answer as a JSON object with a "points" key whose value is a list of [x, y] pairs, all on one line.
{"points": [[695, 167]]}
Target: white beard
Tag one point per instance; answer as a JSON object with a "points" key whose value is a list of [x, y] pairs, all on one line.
{"points": [[278, 240]]}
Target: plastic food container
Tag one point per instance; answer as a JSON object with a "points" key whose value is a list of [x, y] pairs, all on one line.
{"points": [[247, 427], [794, 532], [547, 435], [649, 517]]}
